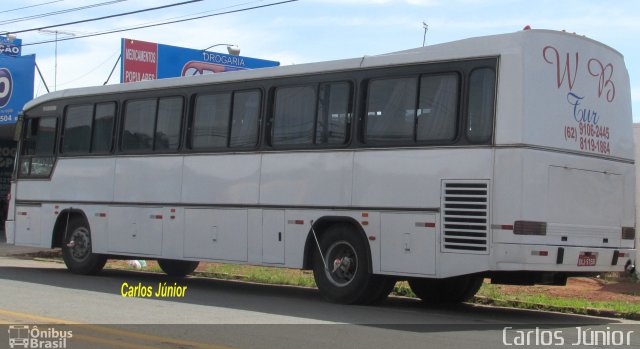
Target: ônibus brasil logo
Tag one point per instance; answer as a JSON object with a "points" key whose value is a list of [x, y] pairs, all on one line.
{"points": [[6, 86], [25, 336]]}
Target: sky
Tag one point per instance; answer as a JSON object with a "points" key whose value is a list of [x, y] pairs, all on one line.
{"points": [[306, 30]]}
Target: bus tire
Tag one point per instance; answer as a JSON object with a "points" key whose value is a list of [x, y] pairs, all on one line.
{"points": [[450, 290], [177, 268], [347, 279], [77, 250]]}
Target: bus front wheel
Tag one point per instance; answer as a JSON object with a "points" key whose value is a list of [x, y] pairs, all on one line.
{"points": [[77, 249], [450, 290], [343, 276], [177, 268]]}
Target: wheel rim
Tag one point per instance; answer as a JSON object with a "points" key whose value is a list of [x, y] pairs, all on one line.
{"points": [[342, 263], [81, 248]]}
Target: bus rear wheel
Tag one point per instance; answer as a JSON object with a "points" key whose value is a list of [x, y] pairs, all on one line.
{"points": [[177, 268], [77, 249], [450, 290], [346, 278]]}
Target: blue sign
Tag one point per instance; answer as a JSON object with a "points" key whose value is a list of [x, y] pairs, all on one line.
{"points": [[16, 85], [177, 61], [10, 47], [149, 61]]}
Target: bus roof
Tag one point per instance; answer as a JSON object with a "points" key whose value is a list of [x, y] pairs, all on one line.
{"points": [[485, 46]]}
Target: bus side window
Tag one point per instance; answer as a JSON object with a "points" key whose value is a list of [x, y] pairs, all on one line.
{"points": [[76, 134], [46, 136], [38, 149], [334, 113], [102, 138], [437, 108], [30, 136], [152, 124], [294, 116], [168, 124], [245, 119], [139, 120], [482, 91], [391, 110], [211, 121]]}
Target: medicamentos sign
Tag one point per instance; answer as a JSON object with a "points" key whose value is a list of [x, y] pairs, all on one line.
{"points": [[143, 60], [16, 85]]}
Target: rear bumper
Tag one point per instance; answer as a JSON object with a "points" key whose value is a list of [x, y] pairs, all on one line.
{"points": [[512, 257]]}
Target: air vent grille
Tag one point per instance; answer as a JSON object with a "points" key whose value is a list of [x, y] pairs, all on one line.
{"points": [[465, 216]]}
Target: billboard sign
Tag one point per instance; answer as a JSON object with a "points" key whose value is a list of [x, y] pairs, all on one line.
{"points": [[16, 85], [139, 61], [10, 47], [143, 60]]}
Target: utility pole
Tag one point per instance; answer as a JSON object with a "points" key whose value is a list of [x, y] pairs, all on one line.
{"points": [[55, 68], [424, 38]]}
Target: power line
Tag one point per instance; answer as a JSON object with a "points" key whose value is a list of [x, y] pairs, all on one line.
{"points": [[105, 17], [26, 7], [159, 24], [26, 18]]}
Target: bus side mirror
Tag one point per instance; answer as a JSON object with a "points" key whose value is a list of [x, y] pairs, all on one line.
{"points": [[18, 130]]}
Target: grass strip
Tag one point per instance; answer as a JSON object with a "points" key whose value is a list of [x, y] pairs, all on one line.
{"points": [[490, 294], [580, 310]]}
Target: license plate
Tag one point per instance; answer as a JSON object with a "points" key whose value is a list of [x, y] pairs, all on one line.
{"points": [[587, 259]]}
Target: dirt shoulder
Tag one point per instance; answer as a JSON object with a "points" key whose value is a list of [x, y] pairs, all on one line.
{"points": [[591, 289]]}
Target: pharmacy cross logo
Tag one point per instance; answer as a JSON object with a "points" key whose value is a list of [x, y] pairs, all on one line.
{"points": [[25, 336]]}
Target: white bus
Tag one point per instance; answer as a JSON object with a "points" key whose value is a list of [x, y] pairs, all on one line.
{"points": [[507, 157]]}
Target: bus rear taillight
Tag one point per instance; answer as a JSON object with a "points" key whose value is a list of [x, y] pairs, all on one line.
{"points": [[628, 233], [529, 228]]}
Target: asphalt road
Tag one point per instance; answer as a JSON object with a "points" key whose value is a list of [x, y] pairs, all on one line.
{"points": [[217, 314]]}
